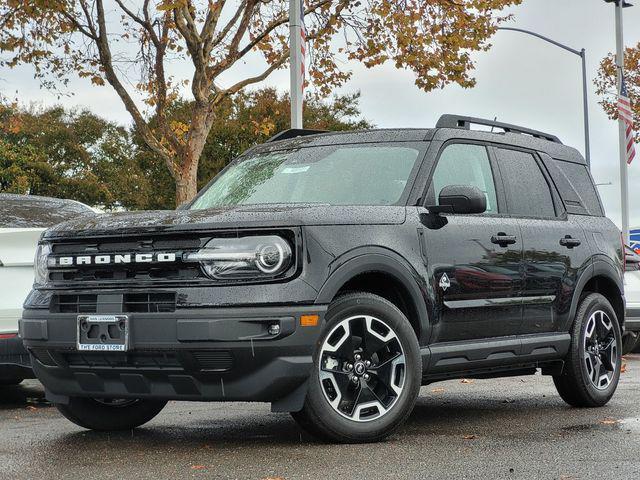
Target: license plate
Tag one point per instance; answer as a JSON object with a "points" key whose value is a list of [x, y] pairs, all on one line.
{"points": [[103, 333]]}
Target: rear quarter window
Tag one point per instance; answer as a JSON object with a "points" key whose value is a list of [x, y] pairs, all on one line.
{"points": [[580, 180]]}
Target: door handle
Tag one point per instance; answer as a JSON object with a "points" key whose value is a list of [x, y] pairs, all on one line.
{"points": [[503, 239], [569, 242]]}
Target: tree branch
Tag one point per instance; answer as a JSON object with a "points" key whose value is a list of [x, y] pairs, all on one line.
{"points": [[107, 63]]}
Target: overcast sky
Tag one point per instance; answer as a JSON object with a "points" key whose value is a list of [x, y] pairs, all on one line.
{"points": [[521, 80]]}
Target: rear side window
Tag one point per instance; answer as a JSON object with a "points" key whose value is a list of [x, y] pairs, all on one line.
{"points": [[465, 164], [581, 182], [528, 193]]}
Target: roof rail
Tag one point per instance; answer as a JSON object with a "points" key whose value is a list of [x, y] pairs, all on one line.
{"points": [[293, 133], [456, 121]]}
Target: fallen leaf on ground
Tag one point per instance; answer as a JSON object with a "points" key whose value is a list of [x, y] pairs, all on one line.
{"points": [[623, 368], [198, 467], [466, 380], [438, 390], [468, 437], [609, 421], [31, 407]]}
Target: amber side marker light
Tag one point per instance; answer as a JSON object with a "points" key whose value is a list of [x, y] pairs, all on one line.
{"points": [[309, 320]]}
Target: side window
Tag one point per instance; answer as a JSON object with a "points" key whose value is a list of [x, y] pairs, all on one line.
{"points": [[579, 178], [526, 188], [465, 164]]}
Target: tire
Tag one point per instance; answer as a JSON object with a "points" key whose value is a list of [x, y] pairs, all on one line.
{"points": [[629, 342], [112, 415], [577, 384], [637, 347], [383, 396]]}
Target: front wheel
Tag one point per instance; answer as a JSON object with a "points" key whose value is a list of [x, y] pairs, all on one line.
{"points": [[366, 374], [110, 415], [592, 367]]}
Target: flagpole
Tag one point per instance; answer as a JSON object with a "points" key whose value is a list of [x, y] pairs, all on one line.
{"points": [[295, 45], [624, 169]]}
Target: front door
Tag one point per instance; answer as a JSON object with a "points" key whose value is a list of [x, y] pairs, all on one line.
{"points": [[474, 261]]}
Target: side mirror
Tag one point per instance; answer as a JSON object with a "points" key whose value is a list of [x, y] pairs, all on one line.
{"points": [[460, 199]]}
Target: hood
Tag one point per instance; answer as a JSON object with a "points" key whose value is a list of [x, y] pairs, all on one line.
{"points": [[238, 217]]}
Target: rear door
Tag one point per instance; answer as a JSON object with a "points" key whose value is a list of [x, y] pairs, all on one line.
{"points": [[474, 261], [554, 243]]}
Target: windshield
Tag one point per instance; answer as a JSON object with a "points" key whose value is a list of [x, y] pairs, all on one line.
{"points": [[337, 175]]}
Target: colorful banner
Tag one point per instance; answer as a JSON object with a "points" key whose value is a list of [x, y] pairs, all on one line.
{"points": [[634, 239]]}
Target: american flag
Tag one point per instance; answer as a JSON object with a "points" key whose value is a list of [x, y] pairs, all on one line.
{"points": [[303, 43], [626, 114]]}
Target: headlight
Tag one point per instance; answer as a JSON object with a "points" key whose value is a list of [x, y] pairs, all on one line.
{"points": [[41, 268], [243, 258]]}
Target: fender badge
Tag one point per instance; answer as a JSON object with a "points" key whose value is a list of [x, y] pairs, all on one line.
{"points": [[444, 282]]}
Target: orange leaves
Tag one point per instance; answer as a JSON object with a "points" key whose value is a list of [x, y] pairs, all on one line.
{"points": [[168, 5], [609, 421], [264, 127], [606, 86]]}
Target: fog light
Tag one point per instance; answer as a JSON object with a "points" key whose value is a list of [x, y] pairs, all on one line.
{"points": [[274, 329]]}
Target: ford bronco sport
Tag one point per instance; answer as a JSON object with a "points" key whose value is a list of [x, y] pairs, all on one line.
{"points": [[333, 274]]}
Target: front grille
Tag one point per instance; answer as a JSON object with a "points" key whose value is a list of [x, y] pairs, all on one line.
{"points": [[113, 273], [147, 302], [205, 361], [112, 261], [74, 304], [149, 360], [128, 273]]}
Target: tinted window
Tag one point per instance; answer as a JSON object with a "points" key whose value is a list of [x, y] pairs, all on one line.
{"points": [[527, 190], [21, 211], [465, 164], [581, 182], [344, 175]]}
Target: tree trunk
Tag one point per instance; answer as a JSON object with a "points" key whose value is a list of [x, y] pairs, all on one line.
{"points": [[187, 179], [186, 187]]}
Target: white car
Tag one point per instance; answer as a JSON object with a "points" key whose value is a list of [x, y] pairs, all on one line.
{"points": [[631, 340], [23, 218]]}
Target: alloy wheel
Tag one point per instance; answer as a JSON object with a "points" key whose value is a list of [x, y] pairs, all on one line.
{"points": [[362, 368], [600, 350]]}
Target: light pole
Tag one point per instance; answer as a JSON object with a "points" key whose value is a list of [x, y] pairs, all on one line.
{"points": [[585, 93], [295, 55], [622, 134]]}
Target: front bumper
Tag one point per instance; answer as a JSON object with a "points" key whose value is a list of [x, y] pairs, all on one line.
{"points": [[14, 359], [211, 354]]}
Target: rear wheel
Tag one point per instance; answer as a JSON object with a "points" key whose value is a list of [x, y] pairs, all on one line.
{"points": [[367, 372], [110, 415], [592, 367]]}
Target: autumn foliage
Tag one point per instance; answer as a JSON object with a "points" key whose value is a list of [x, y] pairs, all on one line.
{"points": [[607, 87], [78, 155], [153, 52]]}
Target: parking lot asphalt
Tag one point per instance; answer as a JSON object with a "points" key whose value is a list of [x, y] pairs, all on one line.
{"points": [[504, 428]]}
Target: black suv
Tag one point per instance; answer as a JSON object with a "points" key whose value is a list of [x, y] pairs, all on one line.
{"points": [[333, 274]]}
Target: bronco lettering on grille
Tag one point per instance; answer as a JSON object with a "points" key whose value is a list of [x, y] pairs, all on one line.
{"points": [[111, 259]]}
